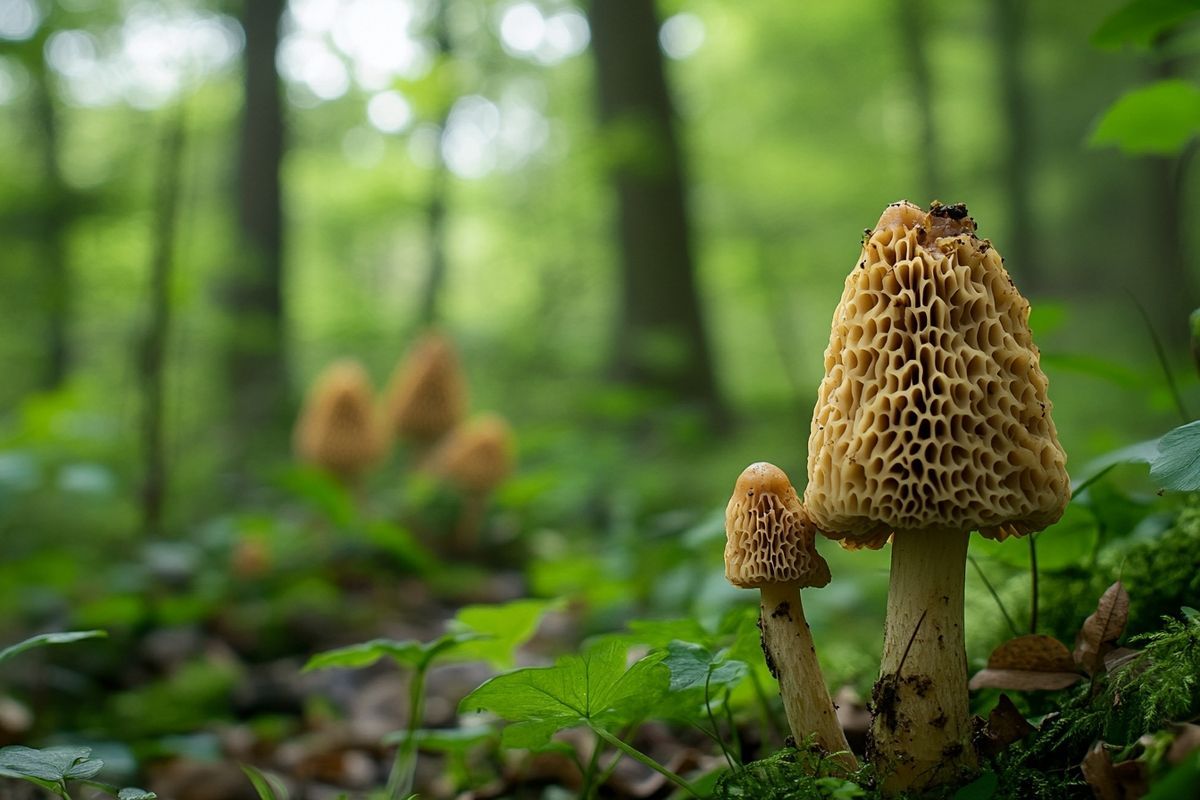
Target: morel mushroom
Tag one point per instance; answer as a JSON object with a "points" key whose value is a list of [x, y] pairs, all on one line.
{"points": [[475, 459], [339, 429], [932, 421], [769, 547], [427, 394]]}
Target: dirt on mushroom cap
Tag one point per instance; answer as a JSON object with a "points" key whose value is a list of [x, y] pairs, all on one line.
{"points": [[933, 413]]}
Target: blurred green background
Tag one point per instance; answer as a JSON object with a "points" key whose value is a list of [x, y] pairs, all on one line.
{"points": [[202, 204]]}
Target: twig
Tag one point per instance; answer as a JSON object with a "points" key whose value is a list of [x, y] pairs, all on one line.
{"points": [[1033, 584]]}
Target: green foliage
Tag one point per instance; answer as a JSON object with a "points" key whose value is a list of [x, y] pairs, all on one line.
{"points": [[413, 654], [592, 689], [1161, 685], [268, 786], [48, 639], [54, 768], [1158, 119], [500, 629], [789, 774], [1179, 782], [1142, 21]]}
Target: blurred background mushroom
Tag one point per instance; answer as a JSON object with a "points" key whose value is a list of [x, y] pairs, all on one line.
{"points": [[339, 429], [427, 394]]}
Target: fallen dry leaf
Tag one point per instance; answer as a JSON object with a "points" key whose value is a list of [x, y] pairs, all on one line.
{"points": [[1100, 631], [1005, 725], [1097, 768], [1028, 663]]}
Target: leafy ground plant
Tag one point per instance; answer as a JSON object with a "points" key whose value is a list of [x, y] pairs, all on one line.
{"points": [[53, 768]]}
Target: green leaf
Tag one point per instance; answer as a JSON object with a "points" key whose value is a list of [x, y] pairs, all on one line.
{"points": [[593, 688], [1179, 782], [982, 788], [536, 735], [321, 491], [1114, 373], [269, 787], [410, 653], [133, 793], [661, 632], [502, 628], [1176, 465], [1157, 119], [693, 666], [54, 764], [1139, 23], [47, 639]]}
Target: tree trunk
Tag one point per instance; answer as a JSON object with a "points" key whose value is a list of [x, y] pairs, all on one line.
{"points": [[158, 330], [913, 29], [660, 340], [435, 209], [1171, 286], [255, 350], [55, 223], [1017, 168]]}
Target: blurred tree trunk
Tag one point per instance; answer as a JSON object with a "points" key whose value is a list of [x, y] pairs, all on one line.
{"points": [[255, 355], [913, 28], [1017, 166], [660, 341], [435, 209], [56, 220], [1170, 286], [153, 366]]}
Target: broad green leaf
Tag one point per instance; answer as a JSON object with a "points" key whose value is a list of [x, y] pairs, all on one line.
{"points": [[1176, 465], [534, 734], [1140, 22], [661, 632], [397, 542], [503, 629], [55, 764], [410, 653], [1157, 119], [593, 688], [321, 491], [693, 666], [47, 639], [1179, 782]]}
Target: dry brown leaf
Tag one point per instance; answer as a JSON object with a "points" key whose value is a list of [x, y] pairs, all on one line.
{"points": [[1187, 741], [1023, 680], [1120, 657], [1028, 663], [1097, 768], [1006, 725], [1131, 777], [1101, 630], [1033, 652]]}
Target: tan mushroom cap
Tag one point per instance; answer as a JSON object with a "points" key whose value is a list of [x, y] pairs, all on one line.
{"points": [[339, 428], [933, 414], [477, 456], [427, 394], [769, 536]]}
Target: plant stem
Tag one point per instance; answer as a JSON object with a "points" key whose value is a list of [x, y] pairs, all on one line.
{"points": [[713, 721], [733, 731], [1012, 626], [769, 716], [589, 775], [645, 760], [1033, 584], [404, 768]]}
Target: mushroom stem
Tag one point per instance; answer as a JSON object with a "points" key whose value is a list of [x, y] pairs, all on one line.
{"points": [[921, 734], [792, 658]]}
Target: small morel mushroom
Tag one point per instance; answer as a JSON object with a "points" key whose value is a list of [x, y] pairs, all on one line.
{"points": [[475, 458], [427, 394], [339, 429], [769, 547], [932, 422]]}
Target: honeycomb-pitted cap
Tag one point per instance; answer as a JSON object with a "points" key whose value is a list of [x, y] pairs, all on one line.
{"points": [[427, 394], [933, 414], [339, 428], [769, 537], [477, 456]]}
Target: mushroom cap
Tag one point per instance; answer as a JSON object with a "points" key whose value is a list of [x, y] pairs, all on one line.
{"points": [[427, 394], [933, 414], [769, 536], [339, 428], [477, 456]]}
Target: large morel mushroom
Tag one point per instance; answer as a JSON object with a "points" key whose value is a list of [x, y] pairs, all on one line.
{"points": [[932, 421]]}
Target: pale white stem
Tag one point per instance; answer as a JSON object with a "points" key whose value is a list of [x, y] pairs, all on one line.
{"points": [[792, 656]]}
